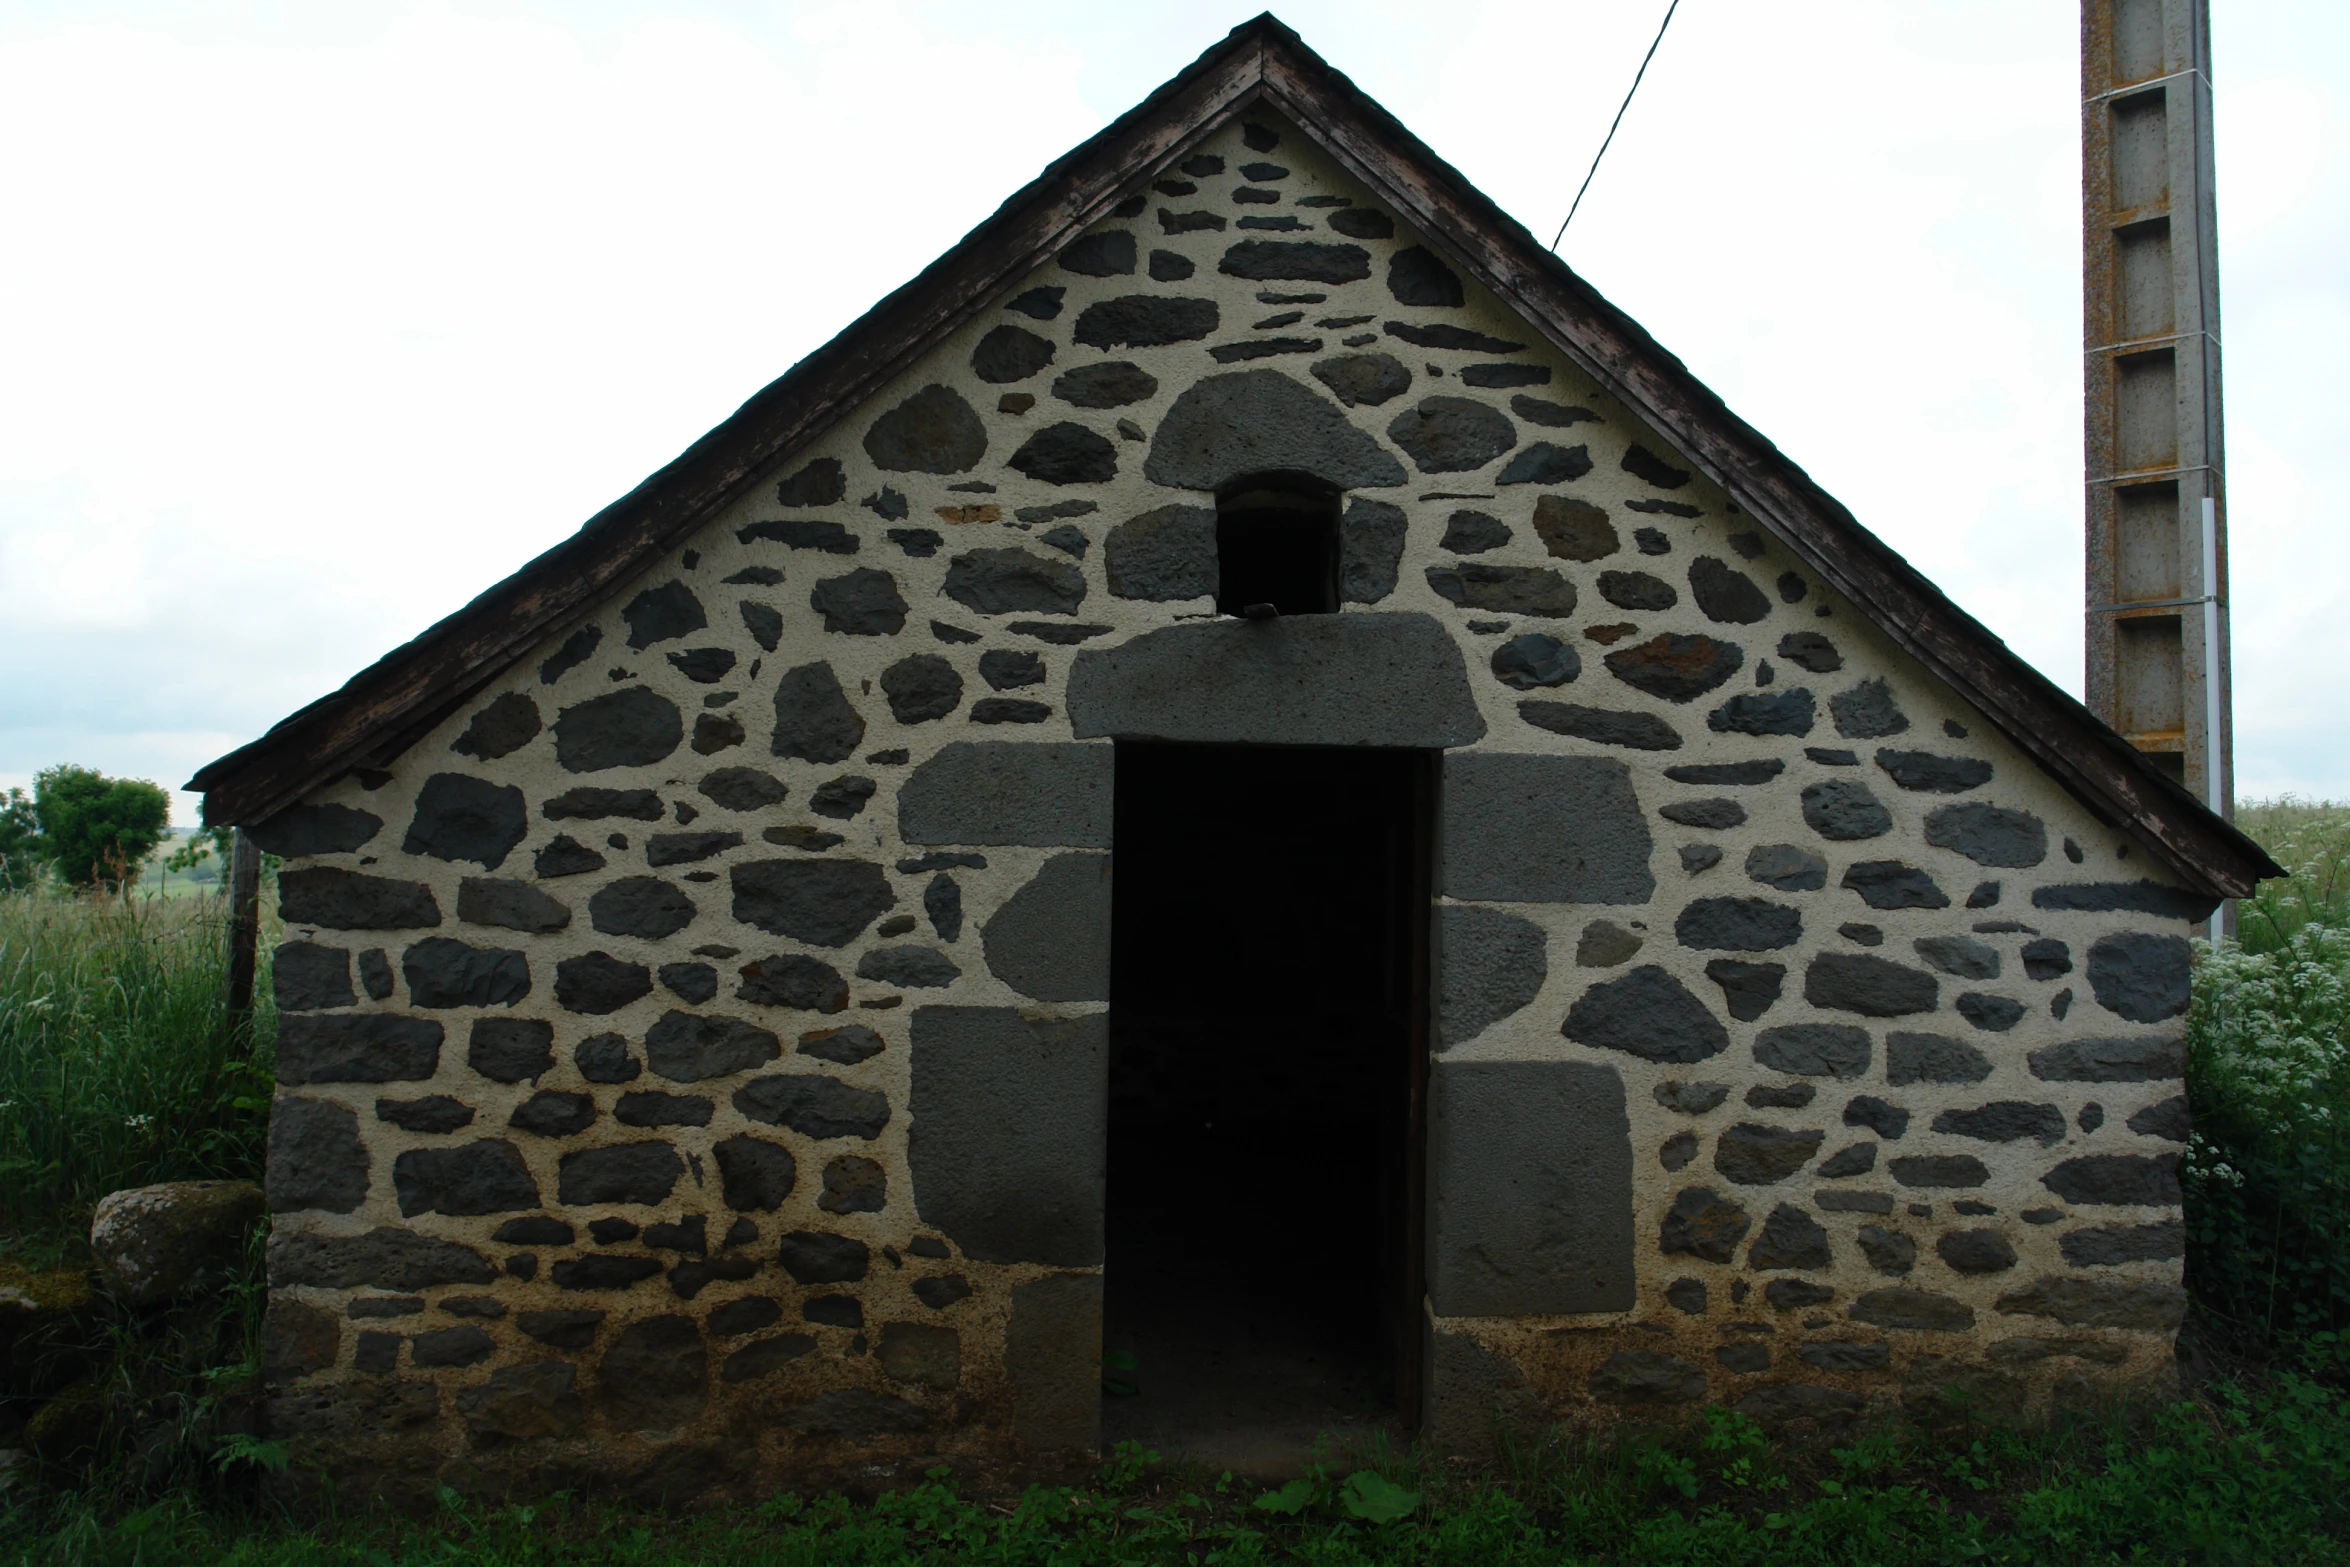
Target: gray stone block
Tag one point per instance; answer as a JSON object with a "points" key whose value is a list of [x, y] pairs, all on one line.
{"points": [[1871, 986], [366, 1047], [316, 1157], [1261, 421], [300, 831], [1007, 1143], [1044, 794], [2135, 897], [1164, 555], [483, 1176], [1647, 1013], [1934, 1058], [1989, 834], [1358, 679], [1738, 925], [2094, 1303], [382, 1258], [2140, 975], [2005, 1121], [1646, 1376], [1051, 938], [1530, 1189], [1755, 1155], [1053, 1356], [347, 900], [1542, 829], [1814, 1049], [2146, 1059], [2149, 1180], [1489, 965], [1370, 548], [307, 977], [2106, 1246]]}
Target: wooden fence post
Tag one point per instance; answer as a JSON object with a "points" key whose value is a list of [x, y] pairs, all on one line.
{"points": [[244, 926]]}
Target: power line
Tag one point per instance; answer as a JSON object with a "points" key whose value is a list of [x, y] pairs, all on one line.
{"points": [[1618, 120]]}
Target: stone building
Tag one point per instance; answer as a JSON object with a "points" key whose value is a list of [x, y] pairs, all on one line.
{"points": [[1592, 928]]}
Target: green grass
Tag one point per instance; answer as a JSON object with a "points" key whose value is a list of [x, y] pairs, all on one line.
{"points": [[119, 1066]]}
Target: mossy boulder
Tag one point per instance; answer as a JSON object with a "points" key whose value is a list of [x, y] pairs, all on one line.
{"points": [[151, 1243]]}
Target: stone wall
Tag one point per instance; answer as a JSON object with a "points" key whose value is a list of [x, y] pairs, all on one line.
{"points": [[692, 1054]]}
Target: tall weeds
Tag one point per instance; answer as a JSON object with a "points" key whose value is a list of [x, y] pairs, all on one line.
{"points": [[119, 1064]]}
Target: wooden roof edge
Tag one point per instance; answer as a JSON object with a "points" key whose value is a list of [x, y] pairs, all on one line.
{"points": [[390, 704]]}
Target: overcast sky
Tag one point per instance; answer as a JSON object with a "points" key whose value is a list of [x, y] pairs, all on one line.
{"points": [[317, 320]]}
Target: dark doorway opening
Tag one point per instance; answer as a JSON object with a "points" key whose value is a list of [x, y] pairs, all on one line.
{"points": [[1267, 1001], [1277, 546]]}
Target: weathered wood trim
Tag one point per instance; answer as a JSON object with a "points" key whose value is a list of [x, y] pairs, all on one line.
{"points": [[387, 707]]}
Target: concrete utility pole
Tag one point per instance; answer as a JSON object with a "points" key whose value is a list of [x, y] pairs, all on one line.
{"points": [[2157, 639]]}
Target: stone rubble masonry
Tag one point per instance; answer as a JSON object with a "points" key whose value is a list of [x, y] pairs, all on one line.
{"points": [[721, 995]]}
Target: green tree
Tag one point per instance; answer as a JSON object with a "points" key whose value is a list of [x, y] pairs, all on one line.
{"points": [[96, 830], [20, 841]]}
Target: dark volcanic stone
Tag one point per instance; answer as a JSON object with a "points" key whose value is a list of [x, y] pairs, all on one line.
{"points": [[1163, 555], [1814, 1049], [1911, 1310], [1992, 1014], [1809, 650], [1445, 335], [604, 1273], [912, 967], [1508, 590], [1066, 453], [813, 718], [2139, 975], [685, 848], [2090, 1303], [463, 818], [746, 1315], [1042, 303], [1556, 416], [689, 1047], [1546, 462], [299, 831], [1256, 421], [1704, 1225], [1364, 380], [573, 653], [1725, 593], [445, 973], [1744, 1359], [921, 687], [1145, 321], [1843, 809], [501, 727], [1697, 857], [309, 978], [826, 903], [1006, 670], [2005, 1121], [1636, 731], [1690, 1098], [933, 431], [821, 483], [1110, 385], [862, 603], [1933, 1058], [1370, 546], [1643, 1376], [512, 905], [843, 798], [2111, 1060], [1492, 965], [550, 1113], [1888, 1251], [1976, 1251], [815, 1257], [1887, 1120], [1473, 533], [589, 804], [1574, 529], [1416, 277], [2138, 897], [604, 1058], [1649, 468], [742, 789], [1989, 834], [2047, 958], [434, 1113], [1867, 711], [1104, 253], [1738, 925], [1637, 590], [1939, 1170], [662, 614], [1676, 667], [656, 1374], [942, 902], [450, 1347], [793, 980], [1869, 985], [990, 792], [1784, 865], [643, 1108], [1687, 1296], [630, 728], [1505, 375], [2151, 1180], [1787, 712], [2112, 1245], [829, 537], [1796, 1294], [1009, 353], [640, 906], [485, 1176], [1452, 434], [622, 1173], [561, 1329], [1005, 581], [1525, 663], [597, 982], [1649, 1014], [1960, 956], [1360, 223], [1307, 261], [1265, 347], [754, 1175], [1790, 1238], [2169, 1120], [383, 1258], [814, 1106], [366, 1048], [1931, 774], [1889, 884], [510, 1049], [1754, 1155], [1859, 1159], [316, 1158], [1748, 989], [854, 1184]]}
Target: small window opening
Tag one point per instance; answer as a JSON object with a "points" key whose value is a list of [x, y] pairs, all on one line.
{"points": [[1277, 545]]}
